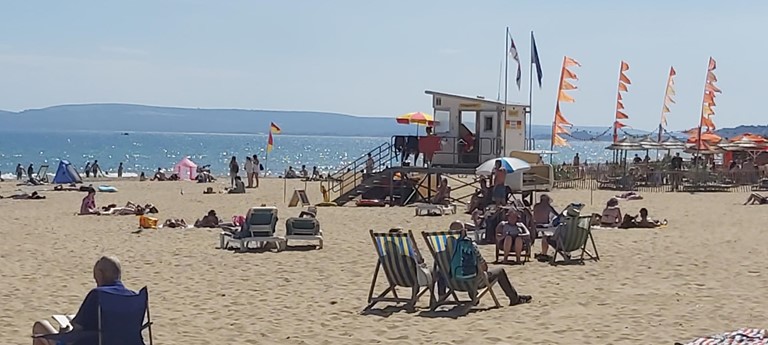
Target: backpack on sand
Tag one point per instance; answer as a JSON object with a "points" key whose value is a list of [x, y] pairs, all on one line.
{"points": [[463, 260]]}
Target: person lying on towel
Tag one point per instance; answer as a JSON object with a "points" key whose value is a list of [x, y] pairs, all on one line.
{"points": [[756, 198]]}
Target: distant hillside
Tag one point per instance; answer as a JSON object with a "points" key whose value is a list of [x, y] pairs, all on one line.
{"points": [[140, 118], [732, 132]]}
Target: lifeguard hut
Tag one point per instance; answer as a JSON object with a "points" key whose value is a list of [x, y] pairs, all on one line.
{"points": [[474, 129]]}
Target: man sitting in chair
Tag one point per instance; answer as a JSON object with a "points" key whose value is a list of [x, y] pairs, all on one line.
{"points": [[106, 273]]}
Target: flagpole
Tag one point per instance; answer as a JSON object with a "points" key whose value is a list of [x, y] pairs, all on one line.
{"points": [[498, 89], [506, 77], [528, 140]]}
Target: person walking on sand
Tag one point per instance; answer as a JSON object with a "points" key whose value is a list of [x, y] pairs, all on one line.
{"points": [[249, 170], [19, 172], [30, 171], [256, 169], [95, 168], [234, 168], [87, 169], [120, 170]]}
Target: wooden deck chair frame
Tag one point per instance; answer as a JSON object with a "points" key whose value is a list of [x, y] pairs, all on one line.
{"points": [[578, 235], [397, 272], [438, 242]]}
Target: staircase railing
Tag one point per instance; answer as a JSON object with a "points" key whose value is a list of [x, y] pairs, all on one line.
{"points": [[353, 174]]}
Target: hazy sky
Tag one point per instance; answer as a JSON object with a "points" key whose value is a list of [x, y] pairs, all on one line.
{"points": [[377, 58]]}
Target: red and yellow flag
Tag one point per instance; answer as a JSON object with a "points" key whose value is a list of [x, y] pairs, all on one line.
{"points": [[270, 143], [708, 101], [273, 128], [560, 122]]}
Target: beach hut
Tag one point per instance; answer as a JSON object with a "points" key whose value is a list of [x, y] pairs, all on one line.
{"points": [[186, 169]]}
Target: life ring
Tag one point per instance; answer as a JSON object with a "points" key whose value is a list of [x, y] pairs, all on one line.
{"points": [[370, 203], [326, 204]]}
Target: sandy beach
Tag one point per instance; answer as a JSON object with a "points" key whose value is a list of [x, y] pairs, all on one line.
{"points": [[702, 274]]}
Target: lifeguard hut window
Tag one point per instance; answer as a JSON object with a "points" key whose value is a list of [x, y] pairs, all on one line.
{"points": [[443, 122], [488, 123]]}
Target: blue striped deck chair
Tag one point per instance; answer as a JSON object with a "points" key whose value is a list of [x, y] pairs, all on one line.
{"points": [[441, 244], [121, 322], [578, 235], [399, 258]]}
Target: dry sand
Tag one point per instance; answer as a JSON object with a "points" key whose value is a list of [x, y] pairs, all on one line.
{"points": [[703, 274]]}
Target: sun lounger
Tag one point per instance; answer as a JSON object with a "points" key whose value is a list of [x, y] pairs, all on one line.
{"points": [[259, 227], [429, 209], [402, 264], [121, 320], [303, 229], [441, 246], [577, 235]]}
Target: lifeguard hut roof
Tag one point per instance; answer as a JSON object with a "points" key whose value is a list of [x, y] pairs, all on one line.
{"points": [[474, 99]]}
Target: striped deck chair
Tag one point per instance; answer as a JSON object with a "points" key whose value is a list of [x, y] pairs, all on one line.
{"points": [[577, 234], [441, 245], [399, 257]]}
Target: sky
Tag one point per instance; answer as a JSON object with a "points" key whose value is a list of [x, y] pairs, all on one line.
{"points": [[376, 58]]}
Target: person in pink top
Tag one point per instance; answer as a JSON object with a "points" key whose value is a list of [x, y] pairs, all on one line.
{"points": [[88, 206]]}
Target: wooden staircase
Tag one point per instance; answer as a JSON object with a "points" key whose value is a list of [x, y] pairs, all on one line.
{"points": [[351, 182]]}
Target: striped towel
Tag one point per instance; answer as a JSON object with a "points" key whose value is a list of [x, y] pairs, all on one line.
{"points": [[744, 336]]}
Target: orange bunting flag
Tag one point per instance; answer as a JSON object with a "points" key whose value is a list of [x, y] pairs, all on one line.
{"points": [[568, 86], [712, 87], [665, 109], [619, 105], [707, 110], [711, 77], [672, 72], [624, 66], [623, 78], [570, 62], [566, 98], [623, 87], [618, 124], [561, 130], [709, 98], [663, 119], [558, 141], [560, 119], [569, 75], [670, 90], [620, 115], [668, 93], [712, 64], [619, 96], [669, 100], [707, 122]]}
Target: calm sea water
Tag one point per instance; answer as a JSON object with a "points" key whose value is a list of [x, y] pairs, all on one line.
{"points": [[148, 151]]}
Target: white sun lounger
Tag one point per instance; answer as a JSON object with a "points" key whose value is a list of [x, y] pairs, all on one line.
{"points": [[303, 229], [427, 209], [259, 227], [64, 321]]}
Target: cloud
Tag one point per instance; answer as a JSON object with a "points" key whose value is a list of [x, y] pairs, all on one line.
{"points": [[124, 50]]}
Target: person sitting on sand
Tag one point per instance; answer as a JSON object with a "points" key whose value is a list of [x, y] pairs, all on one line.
{"points": [[443, 195], [611, 216], [210, 220], [106, 273], [303, 172], [315, 174], [159, 176], [239, 186], [646, 222], [511, 232], [290, 173], [756, 198], [543, 212], [88, 206]]}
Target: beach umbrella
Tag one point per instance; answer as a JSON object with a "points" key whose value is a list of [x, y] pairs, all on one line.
{"points": [[509, 164], [417, 118]]}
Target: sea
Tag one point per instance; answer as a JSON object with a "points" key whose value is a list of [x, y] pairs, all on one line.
{"points": [[145, 152]]}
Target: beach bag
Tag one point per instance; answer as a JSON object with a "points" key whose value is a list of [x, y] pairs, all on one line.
{"points": [[147, 222], [261, 167], [238, 220], [463, 261]]}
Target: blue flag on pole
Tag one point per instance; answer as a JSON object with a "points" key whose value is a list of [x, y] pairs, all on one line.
{"points": [[535, 59]]}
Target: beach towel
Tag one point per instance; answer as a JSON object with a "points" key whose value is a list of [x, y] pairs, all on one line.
{"points": [[744, 336]]}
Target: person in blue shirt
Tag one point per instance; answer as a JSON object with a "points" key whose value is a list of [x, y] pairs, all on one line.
{"points": [[107, 274]]}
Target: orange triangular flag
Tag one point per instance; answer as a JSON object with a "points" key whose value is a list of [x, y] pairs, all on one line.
{"points": [[560, 119], [622, 87], [619, 96], [711, 77], [558, 141], [623, 78], [707, 110], [712, 87], [619, 124], [712, 64], [565, 97], [561, 130], [570, 62], [666, 109], [567, 86], [670, 90], [709, 98], [620, 115], [672, 72], [664, 120], [624, 66], [619, 105], [569, 75], [669, 100], [707, 122]]}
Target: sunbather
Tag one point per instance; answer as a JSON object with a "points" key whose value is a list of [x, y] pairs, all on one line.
{"points": [[129, 209], [211, 220], [24, 196], [88, 206], [756, 198], [174, 223], [629, 196], [239, 186], [611, 216], [159, 176], [107, 274], [543, 212], [512, 232], [443, 193], [647, 222]]}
